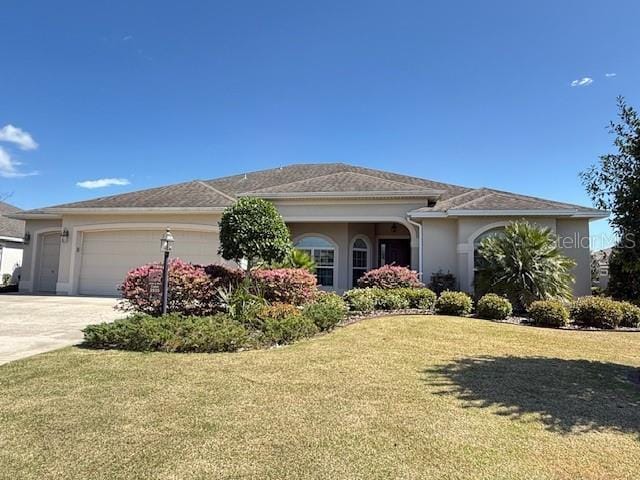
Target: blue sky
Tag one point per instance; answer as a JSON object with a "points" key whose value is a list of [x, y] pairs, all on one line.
{"points": [[467, 92]]}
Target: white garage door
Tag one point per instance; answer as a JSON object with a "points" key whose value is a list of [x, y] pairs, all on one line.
{"points": [[107, 256]]}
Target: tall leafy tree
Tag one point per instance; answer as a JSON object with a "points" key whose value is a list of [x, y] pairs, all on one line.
{"points": [[253, 230], [614, 184], [524, 264]]}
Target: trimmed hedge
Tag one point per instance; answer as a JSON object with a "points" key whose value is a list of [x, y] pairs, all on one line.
{"points": [[549, 313], [288, 329], [494, 307], [169, 333], [630, 315], [390, 276], [327, 311], [365, 300], [296, 286], [419, 298], [361, 300], [192, 288], [598, 312], [454, 303]]}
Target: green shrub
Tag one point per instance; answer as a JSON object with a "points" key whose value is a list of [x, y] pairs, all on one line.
{"points": [[326, 311], [549, 313], [362, 300], [630, 315], [390, 299], [420, 298], [494, 307], [599, 312], [288, 329], [170, 333], [454, 303]]}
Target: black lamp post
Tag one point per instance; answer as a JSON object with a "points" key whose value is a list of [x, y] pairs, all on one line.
{"points": [[166, 245]]}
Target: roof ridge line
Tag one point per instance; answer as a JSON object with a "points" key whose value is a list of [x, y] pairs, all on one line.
{"points": [[219, 192], [416, 187]]}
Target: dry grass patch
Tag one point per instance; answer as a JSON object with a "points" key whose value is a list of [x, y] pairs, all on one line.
{"points": [[402, 397]]}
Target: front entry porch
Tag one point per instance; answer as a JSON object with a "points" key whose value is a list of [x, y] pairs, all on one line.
{"points": [[344, 251]]}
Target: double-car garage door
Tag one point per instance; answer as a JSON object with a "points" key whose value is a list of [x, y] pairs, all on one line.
{"points": [[107, 256]]}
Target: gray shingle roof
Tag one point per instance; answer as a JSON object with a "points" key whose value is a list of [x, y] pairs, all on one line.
{"points": [[187, 195], [8, 226], [329, 178]]}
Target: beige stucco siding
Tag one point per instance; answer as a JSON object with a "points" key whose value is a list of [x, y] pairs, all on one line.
{"points": [[439, 241], [573, 236], [447, 243], [34, 228]]}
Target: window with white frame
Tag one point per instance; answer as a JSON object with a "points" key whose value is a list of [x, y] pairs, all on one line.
{"points": [[359, 260], [323, 253], [477, 259]]}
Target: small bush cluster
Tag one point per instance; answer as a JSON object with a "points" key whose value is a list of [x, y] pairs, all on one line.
{"points": [[494, 307], [169, 333], [549, 313], [326, 311], [390, 276], [295, 286], [630, 315], [454, 303], [192, 288], [366, 300], [598, 312]]}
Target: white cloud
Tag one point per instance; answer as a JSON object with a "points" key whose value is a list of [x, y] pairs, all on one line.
{"points": [[609, 75], [582, 82], [103, 182], [126, 38], [23, 139], [8, 166]]}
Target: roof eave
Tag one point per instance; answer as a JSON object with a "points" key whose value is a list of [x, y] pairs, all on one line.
{"points": [[56, 213], [595, 215]]}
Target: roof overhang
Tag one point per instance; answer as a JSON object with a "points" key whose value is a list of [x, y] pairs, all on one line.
{"points": [[429, 194], [56, 213], [594, 215]]}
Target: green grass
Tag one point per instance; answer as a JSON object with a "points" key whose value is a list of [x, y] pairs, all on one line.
{"points": [[403, 397]]}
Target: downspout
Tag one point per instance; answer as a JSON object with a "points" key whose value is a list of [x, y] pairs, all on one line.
{"points": [[420, 265]]}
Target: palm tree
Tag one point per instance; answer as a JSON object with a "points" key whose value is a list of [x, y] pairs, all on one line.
{"points": [[524, 264], [297, 259]]}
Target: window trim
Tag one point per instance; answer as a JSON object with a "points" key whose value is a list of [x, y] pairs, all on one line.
{"points": [[335, 248], [369, 254]]}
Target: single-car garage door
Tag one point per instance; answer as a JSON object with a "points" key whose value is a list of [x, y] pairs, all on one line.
{"points": [[107, 256]]}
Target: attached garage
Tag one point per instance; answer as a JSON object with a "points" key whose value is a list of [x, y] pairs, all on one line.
{"points": [[106, 256]]}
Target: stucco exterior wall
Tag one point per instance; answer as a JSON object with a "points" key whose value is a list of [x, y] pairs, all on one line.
{"points": [[439, 241], [447, 243], [573, 236], [34, 228]]}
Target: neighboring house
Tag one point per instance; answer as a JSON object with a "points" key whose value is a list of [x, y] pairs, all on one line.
{"points": [[349, 218], [11, 244], [600, 268]]}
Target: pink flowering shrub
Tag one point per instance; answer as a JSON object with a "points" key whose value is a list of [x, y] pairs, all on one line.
{"points": [[295, 286], [193, 289], [390, 276]]}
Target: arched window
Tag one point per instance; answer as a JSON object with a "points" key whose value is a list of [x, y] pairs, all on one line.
{"points": [[323, 253], [359, 260], [477, 259]]}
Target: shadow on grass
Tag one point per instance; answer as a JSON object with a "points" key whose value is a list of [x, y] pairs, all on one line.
{"points": [[567, 396]]}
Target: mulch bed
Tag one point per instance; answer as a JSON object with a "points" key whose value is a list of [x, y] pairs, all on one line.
{"points": [[513, 320]]}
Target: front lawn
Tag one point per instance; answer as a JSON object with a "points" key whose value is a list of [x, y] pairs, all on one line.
{"points": [[397, 397]]}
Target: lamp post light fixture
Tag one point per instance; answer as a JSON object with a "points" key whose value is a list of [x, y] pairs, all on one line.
{"points": [[166, 245]]}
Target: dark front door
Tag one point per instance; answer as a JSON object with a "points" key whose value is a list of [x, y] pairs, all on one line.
{"points": [[395, 251]]}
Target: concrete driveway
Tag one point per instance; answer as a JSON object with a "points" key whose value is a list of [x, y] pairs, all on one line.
{"points": [[31, 324]]}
